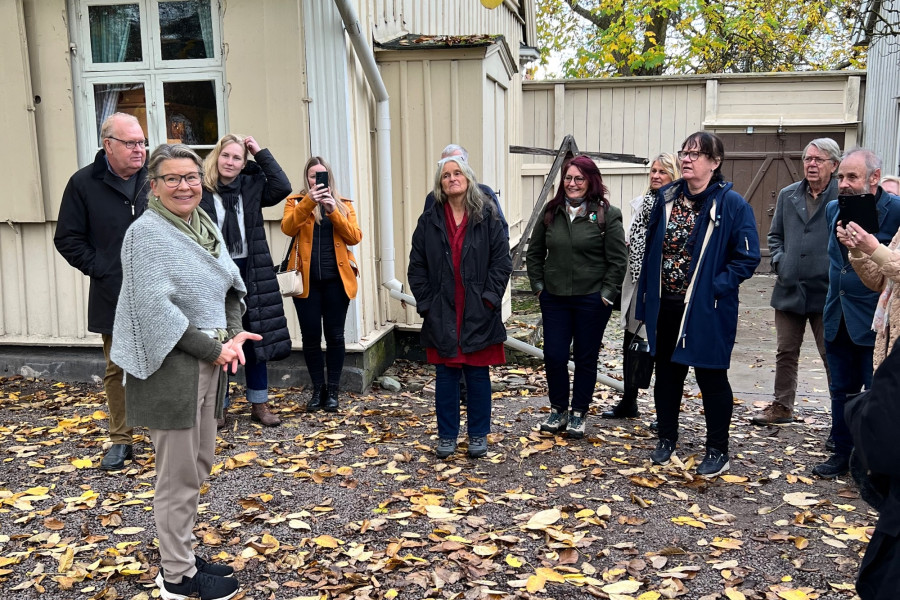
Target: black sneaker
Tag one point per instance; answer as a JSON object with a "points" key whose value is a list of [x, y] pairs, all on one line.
{"points": [[207, 587], [555, 421], [216, 569], [714, 463], [663, 452], [575, 426], [835, 466]]}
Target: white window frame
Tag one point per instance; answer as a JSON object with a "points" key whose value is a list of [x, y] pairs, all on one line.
{"points": [[152, 72]]}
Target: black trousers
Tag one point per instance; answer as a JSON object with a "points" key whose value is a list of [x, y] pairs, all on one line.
{"points": [[323, 311], [669, 387], [879, 573]]}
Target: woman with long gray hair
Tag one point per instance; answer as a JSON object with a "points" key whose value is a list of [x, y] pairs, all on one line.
{"points": [[459, 267]]}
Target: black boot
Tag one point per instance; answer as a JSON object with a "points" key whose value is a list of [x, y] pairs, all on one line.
{"points": [[331, 402], [315, 401], [626, 409]]}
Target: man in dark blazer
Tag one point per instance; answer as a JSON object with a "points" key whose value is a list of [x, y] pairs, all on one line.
{"points": [[850, 305], [100, 202], [797, 239]]}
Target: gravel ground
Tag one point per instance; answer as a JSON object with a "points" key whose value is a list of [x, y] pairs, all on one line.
{"points": [[356, 505]]}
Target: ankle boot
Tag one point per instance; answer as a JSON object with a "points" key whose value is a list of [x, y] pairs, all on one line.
{"points": [[315, 401], [331, 402], [260, 413], [625, 409]]}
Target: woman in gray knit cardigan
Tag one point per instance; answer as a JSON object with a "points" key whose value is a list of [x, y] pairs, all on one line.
{"points": [[177, 331]]}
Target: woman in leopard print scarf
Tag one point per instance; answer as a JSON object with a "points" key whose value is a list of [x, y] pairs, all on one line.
{"points": [[663, 171]]}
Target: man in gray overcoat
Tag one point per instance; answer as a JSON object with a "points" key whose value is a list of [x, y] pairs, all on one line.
{"points": [[798, 243]]}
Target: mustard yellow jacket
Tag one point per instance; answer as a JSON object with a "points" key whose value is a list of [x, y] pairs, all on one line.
{"points": [[299, 221]]}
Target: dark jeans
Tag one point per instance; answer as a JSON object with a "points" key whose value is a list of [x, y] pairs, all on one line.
{"points": [[850, 366], [578, 321], [879, 574], [669, 386], [255, 372], [324, 310], [446, 400]]}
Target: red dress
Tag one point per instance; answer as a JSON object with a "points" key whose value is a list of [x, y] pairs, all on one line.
{"points": [[491, 355]]}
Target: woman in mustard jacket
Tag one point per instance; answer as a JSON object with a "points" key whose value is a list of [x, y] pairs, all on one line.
{"points": [[323, 225]]}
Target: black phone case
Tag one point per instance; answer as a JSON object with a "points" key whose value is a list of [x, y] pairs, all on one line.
{"points": [[861, 209], [322, 177]]}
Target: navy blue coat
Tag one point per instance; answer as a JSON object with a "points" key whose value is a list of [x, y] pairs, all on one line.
{"points": [[730, 256], [847, 295]]}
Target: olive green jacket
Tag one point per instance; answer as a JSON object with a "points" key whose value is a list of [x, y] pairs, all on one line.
{"points": [[578, 257], [167, 399]]}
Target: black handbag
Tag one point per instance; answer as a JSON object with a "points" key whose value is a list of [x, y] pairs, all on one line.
{"points": [[638, 362]]}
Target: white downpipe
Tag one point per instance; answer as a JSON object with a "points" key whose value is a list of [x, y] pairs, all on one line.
{"points": [[383, 166], [382, 143]]}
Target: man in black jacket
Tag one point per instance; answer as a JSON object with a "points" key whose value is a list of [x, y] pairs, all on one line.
{"points": [[99, 203]]}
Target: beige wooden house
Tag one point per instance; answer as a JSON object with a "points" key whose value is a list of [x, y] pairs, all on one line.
{"points": [[765, 121], [303, 77]]}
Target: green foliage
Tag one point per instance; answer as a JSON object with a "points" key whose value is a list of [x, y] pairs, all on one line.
{"points": [[602, 38]]}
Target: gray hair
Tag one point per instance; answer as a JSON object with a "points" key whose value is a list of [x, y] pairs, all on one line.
{"points": [[165, 152], [475, 198], [455, 149], [108, 123], [873, 161], [828, 146]]}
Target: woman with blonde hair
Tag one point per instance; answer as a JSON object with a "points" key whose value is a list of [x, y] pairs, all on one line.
{"points": [[235, 190], [323, 225], [663, 171]]}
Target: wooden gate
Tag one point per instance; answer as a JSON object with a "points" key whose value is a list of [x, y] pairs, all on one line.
{"points": [[762, 164]]}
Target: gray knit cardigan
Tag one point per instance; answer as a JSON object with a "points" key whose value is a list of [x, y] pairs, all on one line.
{"points": [[171, 289]]}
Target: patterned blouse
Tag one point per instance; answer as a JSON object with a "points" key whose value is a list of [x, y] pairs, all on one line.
{"points": [[676, 260]]}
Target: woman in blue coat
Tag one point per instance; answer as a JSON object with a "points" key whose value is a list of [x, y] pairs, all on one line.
{"points": [[701, 244]]}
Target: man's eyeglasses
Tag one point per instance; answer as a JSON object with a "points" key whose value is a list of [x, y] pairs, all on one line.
{"points": [[814, 160], [692, 154], [577, 180], [173, 181], [131, 144]]}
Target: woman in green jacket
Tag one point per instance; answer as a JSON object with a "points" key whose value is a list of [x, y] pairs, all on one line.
{"points": [[576, 263]]}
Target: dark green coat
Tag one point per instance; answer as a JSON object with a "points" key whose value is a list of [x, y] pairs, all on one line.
{"points": [[574, 258]]}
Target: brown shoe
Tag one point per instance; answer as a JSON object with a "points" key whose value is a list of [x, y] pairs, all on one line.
{"points": [[261, 414], [222, 421], [774, 414]]}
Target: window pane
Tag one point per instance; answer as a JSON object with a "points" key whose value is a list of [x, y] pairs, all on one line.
{"points": [[115, 33], [186, 30], [191, 115], [128, 98]]}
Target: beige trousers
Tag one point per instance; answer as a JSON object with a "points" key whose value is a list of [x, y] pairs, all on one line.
{"points": [[184, 458], [119, 432]]}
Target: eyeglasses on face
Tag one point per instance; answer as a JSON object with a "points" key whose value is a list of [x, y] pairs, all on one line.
{"points": [[691, 154], [577, 179], [173, 181], [131, 143], [814, 160]]}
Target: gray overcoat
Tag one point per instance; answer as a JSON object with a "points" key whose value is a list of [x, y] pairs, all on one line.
{"points": [[798, 246]]}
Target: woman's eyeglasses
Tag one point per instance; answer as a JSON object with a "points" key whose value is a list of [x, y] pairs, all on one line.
{"points": [[173, 181], [577, 180], [691, 154]]}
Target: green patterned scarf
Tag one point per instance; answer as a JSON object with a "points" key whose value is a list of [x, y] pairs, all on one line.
{"points": [[201, 229]]}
